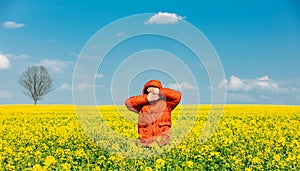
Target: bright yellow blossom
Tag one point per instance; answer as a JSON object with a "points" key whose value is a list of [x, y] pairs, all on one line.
{"points": [[159, 162], [50, 137], [37, 167], [148, 169], [189, 164], [277, 157], [50, 160]]}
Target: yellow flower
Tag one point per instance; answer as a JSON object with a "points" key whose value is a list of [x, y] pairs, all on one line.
{"points": [[97, 168], [101, 159], [37, 167], [256, 160], [290, 158], [159, 163], [249, 156], [80, 153], [65, 166], [277, 157], [216, 154], [50, 160], [9, 166], [148, 169], [189, 164], [38, 154], [259, 133], [259, 154]]}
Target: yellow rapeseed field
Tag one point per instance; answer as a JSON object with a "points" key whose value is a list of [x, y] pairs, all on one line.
{"points": [[249, 137]]}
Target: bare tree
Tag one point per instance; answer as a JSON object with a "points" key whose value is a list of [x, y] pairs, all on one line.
{"points": [[37, 82]]}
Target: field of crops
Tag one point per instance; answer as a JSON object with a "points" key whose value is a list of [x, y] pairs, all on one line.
{"points": [[249, 137]]}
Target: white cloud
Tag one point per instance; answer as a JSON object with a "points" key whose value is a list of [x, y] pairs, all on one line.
{"points": [[17, 57], [65, 86], [164, 18], [261, 90], [5, 95], [122, 34], [182, 86], [99, 76], [4, 62], [236, 83], [264, 78], [266, 82], [79, 86], [55, 65], [221, 84], [261, 83], [82, 86], [12, 24]]}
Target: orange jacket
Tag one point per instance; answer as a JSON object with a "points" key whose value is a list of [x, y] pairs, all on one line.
{"points": [[154, 117]]}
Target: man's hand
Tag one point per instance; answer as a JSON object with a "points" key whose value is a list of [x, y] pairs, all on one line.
{"points": [[153, 90], [152, 97]]}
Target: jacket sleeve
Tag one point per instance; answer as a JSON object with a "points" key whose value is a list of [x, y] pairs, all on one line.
{"points": [[135, 103], [173, 97]]}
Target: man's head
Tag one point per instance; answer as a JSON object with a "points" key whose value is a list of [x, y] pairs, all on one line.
{"points": [[152, 84]]}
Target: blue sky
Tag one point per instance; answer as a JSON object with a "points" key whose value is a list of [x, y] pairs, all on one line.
{"points": [[258, 43]]}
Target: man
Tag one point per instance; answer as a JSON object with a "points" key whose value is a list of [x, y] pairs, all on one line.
{"points": [[154, 107]]}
